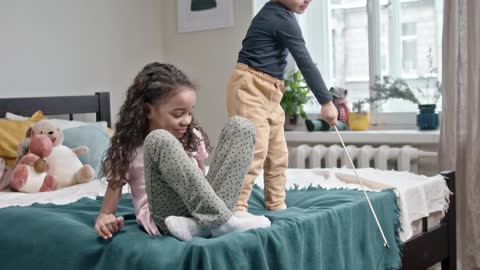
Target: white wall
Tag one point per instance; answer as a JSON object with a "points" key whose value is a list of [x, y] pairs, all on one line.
{"points": [[72, 47], [67, 47], [207, 57]]}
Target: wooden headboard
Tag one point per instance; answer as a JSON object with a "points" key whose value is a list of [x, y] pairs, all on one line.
{"points": [[99, 103]]}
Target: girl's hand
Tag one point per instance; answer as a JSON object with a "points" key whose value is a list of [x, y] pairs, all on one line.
{"points": [[329, 113], [107, 224]]}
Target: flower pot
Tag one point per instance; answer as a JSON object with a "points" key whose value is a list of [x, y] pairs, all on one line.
{"points": [[290, 122], [427, 118], [359, 121]]}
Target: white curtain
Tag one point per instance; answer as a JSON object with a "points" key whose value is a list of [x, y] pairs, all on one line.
{"points": [[460, 128]]}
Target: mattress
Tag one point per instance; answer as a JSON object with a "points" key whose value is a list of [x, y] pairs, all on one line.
{"points": [[418, 196], [322, 229]]}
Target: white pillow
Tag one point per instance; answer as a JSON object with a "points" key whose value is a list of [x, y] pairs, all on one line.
{"points": [[64, 124], [11, 116], [61, 123]]}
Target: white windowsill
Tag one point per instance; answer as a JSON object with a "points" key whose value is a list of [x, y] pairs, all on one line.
{"points": [[413, 137]]}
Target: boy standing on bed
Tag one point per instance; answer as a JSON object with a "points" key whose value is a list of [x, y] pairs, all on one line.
{"points": [[255, 89]]}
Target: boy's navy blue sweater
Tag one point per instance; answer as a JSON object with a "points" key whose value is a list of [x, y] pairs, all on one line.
{"points": [[273, 33]]}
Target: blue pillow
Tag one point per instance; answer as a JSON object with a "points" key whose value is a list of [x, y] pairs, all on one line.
{"points": [[94, 137]]}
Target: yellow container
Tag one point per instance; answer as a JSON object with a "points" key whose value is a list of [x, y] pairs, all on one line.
{"points": [[359, 121]]}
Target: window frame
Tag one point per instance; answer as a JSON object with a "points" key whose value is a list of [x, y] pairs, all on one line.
{"points": [[394, 65]]}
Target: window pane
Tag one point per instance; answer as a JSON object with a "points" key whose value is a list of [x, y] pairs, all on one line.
{"points": [[409, 29], [419, 44], [422, 21], [349, 26], [384, 36], [409, 55]]}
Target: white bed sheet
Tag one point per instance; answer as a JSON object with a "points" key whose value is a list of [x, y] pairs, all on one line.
{"points": [[418, 196], [62, 196]]}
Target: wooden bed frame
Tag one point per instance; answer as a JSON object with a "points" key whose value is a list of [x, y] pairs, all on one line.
{"points": [[437, 244], [431, 246], [99, 103]]}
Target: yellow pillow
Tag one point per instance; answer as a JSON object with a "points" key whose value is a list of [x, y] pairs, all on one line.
{"points": [[12, 133]]}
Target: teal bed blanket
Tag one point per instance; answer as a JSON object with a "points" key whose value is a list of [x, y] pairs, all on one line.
{"points": [[321, 230]]}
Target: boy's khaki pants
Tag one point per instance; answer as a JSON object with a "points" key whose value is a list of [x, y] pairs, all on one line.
{"points": [[256, 96]]}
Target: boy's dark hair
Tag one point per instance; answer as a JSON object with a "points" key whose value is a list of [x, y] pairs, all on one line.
{"points": [[155, 82]]}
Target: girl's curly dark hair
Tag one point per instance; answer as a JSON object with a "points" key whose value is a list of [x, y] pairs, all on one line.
{"points": [[155, 82]]}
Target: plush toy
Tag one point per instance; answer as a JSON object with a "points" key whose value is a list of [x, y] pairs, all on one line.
{"points": [[5, 173], [30, 174], [339, 96], [49, 165]]}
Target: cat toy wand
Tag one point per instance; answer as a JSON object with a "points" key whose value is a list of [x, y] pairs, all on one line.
{"points": [[385, 243]]}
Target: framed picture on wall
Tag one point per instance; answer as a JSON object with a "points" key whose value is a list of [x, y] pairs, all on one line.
{"points": [[197, 15]]}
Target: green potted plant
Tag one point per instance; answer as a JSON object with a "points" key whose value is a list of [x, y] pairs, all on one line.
{"points": [[295, 97], [427, 118], [389, 87]]}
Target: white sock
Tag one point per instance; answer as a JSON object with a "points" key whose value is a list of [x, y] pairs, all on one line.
{"points": [[184, 228], [246, 214], [236, 224], [243, 214]]}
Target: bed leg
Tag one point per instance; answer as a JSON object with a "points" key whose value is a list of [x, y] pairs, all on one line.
{"points": [[450, 263]]}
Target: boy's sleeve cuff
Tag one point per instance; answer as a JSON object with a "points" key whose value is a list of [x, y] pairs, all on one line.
{"points": [[324, 100]]}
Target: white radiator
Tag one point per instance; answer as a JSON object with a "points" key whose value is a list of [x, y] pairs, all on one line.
{"points": [[383, 157]]}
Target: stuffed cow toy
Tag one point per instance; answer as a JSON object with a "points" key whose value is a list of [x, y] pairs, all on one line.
{"points": [[49, 165], [339, 96]]}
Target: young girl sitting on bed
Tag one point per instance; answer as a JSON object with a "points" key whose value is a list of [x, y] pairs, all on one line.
{"points": [[159, 151]]}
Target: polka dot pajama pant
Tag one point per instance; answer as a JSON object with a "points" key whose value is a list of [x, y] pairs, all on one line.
{"points": [[175, 186]]}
